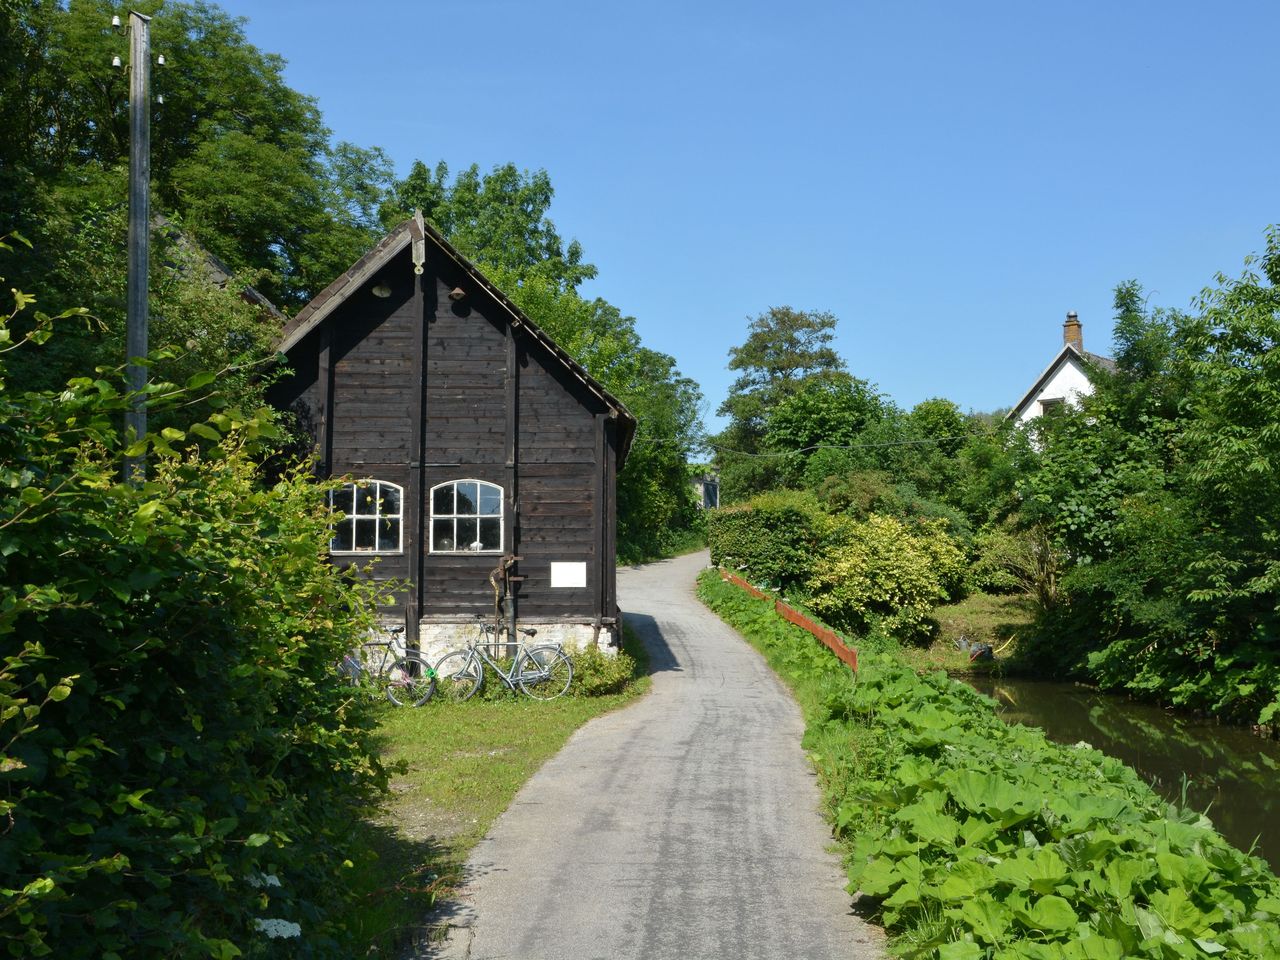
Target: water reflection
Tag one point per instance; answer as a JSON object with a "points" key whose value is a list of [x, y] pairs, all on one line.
{"points": [[1232, 774]]}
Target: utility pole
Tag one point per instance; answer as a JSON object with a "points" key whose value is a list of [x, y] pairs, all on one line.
{"points": [[139, 234]]}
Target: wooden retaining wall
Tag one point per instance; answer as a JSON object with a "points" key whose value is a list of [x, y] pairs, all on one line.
{"points": [[829, 638]]}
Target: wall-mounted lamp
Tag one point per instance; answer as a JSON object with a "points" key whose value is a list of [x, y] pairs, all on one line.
{"points": [[160, 60], [456, 294], [115, 23], [381, 290], [115, 62]]}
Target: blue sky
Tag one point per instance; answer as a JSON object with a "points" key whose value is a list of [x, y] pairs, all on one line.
{"points": [[948, 179]]}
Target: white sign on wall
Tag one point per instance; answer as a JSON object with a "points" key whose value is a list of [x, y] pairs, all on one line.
{"points": [[568, 575]]}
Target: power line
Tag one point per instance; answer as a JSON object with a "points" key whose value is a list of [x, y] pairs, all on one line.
{"points": [[786, 453]]}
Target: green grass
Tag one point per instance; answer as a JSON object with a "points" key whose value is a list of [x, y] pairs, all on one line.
{"points": [[460, 767], [997, 619]]}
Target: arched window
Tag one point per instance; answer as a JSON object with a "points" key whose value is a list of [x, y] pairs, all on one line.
{"points": [[466, 517], [371, 515]]}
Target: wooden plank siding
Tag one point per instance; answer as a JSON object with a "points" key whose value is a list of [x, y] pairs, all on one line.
{"points": [[558, 487], [371, 419], [466, 431]]}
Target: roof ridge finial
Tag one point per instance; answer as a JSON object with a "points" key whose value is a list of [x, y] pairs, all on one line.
{"points": [[419, 232]]}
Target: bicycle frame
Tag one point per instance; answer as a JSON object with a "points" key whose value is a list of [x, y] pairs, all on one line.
{"points": [[358, 663], [542, 671], [400, 677], [509, 677]]}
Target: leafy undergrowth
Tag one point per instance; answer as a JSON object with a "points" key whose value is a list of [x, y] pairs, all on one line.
{"points": [[973, 840], [461, 765]]}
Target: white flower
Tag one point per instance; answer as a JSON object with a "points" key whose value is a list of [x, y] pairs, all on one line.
{"points": [[277, 928]]}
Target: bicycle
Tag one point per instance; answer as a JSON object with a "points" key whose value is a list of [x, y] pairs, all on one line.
{"points": [[543, 672], [407, 680]]}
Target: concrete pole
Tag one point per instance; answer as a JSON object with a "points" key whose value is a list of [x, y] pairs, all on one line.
{"points": [[139, 231]]}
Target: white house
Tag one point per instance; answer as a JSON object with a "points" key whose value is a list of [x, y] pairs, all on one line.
{"points": [[1065, 380]]}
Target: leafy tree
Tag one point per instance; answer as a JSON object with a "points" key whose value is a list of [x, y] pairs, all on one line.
{"points": [[941, 422], [499, 220], [825, 413], [241, 157], [363, 178], [785, 352]]}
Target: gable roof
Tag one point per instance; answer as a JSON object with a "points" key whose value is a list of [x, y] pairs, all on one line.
{"points": [[1068, 353], [414, 231]]}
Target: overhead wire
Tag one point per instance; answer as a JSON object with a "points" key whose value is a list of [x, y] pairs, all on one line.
{"points": [[772, 455]]}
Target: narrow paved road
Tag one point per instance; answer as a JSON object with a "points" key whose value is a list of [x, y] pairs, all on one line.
{"points": [[685, 826]]}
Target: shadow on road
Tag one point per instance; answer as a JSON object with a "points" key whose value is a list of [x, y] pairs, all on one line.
{"points": [[661, 659]]}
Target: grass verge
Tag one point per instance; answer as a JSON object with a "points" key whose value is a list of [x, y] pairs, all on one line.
{"points": [[973, 840], [460, 765]]}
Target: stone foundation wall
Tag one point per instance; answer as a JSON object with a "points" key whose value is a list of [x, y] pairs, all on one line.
{"points": [[435, 639]]}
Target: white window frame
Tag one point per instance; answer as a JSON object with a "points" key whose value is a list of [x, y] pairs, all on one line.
{"points": [[455, 516], [378, 515]]}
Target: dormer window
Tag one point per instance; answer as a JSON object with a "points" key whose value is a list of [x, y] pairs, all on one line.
{"points": [[466, 517], [368, 517]]}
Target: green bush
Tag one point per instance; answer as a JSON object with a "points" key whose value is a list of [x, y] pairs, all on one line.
{"points": [[773, 538], [180, 760], [864, 492], [880, 569], [1009, 560], [596, 674]]}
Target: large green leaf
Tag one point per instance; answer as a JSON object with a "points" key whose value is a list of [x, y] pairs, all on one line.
{"points": [[1050, 913], [982, 792], [1040, 870], [987, 918]]}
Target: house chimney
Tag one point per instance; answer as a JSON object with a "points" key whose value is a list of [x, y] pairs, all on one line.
{"points": [[1071, 332]]}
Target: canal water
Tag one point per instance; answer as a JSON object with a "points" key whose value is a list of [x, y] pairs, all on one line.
{"points": [[1231, 774]]}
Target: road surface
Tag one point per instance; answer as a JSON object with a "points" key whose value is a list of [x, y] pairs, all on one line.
{"points": [[684, 826]]}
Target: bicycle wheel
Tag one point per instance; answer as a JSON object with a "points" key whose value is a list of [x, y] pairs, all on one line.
{"points": [[410, 681], [544, 672], [458, 675]]}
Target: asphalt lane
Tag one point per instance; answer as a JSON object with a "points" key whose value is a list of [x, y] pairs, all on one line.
{"points": [[684, 826]]}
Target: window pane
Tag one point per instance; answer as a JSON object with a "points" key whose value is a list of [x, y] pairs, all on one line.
{"points": [[442, 535], [467, 534], [491, 534], [390, 497], [490, 500], [467, 499], [341, 535], [364, 500], [366, 532], [442, 501], [388, 534], [340, 499]]}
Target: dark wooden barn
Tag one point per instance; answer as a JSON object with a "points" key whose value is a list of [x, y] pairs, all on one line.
{"points": [[469, 437]]}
